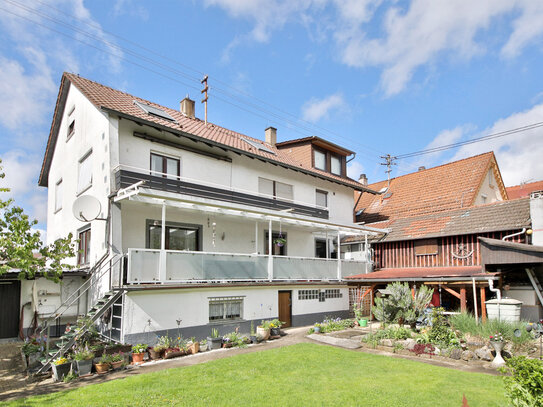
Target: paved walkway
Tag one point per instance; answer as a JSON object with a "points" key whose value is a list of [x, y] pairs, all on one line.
{"points": [[14, 384]]}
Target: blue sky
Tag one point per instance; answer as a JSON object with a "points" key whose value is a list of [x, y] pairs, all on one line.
{"points": [[378, 77]]}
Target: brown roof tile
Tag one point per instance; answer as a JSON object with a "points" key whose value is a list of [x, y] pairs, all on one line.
{"points": [[449, 186], [524, 190], [114, 100]]}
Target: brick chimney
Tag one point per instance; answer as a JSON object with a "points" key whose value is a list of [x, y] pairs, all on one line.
{"points": [[187, 107], [363, 179], [422, 168], [271, 135]]}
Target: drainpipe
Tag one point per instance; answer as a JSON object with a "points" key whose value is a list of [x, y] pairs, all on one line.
{"points": [[498, 294], [514, 234]]}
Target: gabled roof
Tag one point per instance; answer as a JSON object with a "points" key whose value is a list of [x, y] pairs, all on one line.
{"points": [[524, 190], [449, 186], [493, 217], [122, 104]]}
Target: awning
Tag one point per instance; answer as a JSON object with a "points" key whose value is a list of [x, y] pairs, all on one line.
{"points": [[424, 274], [494, 251]]}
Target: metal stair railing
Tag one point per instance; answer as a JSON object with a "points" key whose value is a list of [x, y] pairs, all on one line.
{"points": [[69, 338], [81, 290]]}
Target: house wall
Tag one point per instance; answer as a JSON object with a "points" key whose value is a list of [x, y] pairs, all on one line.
{"points": [[402, 253], [536, 214], [92, 130], [489, 189], [191, 305]]}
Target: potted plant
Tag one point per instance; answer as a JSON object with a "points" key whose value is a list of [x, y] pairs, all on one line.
{"points": [[156, 352], [103, 364], [280, 241], [275, 326], [317, 328], [138, 351], [83, 360], [252, 335], [263, 330], [31, 354], [61, 367], [203, 345], [117, 360], [193, 346], [214, 341]]}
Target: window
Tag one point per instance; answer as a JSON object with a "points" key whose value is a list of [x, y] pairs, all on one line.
{"points": [[225, 308], [321, 198], [178, 237], [483, 198], [320, 248], [71, 129], [333, 293], [320, 160], [425, 247], [308, 294], [335, 165], [84, 181], [275, 189], [58, 196], [165, 166], [278, 248], [83, 247]]}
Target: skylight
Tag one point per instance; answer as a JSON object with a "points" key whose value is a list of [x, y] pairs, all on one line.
{"points": [[155, 111], [258, 145]]}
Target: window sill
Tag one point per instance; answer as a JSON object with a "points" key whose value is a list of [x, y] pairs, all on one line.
{"points": [[226, 322], [84, 190], [57, 211], [69, 137]]}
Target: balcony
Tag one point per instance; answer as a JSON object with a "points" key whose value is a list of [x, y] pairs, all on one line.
{"points": [[127, 176], [170, 266]]}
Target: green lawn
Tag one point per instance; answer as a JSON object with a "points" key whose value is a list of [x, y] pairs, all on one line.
{"points": [[297, 375]]}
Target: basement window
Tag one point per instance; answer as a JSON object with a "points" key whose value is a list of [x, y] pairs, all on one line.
{"points": [[225, 308], [333, 293]]}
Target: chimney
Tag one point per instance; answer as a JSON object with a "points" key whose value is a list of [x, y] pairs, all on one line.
{"points": [[422, 168], [363, 179], [187, 107], [271, 135]]}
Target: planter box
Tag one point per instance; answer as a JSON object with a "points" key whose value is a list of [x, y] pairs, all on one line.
{"points": [[84, 367], [170, 354], [214, 343], [59, 371]]}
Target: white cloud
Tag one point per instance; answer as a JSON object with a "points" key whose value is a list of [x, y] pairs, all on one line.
{"points": [[128, 7], [526, 28], [518, 155], [316, 109]]}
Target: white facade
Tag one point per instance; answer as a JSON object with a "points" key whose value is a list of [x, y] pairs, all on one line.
{"points": [[105, 150]]}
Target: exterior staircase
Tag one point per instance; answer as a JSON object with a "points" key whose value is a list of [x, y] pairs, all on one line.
{"points": [[106, 301]]}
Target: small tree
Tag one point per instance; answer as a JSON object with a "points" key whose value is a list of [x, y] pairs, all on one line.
{"points": [[400, 305], [19, 243]]}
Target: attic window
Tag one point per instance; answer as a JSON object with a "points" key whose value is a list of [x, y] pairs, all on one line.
{"points": [[154, 111], [426, 247], [387, 195], [360, 211], [258, 145]]}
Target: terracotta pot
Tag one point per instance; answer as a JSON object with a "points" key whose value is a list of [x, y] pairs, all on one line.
{"points": [[117, 365], [263, 333], [227, 345], [137, 357], [102, 367]]}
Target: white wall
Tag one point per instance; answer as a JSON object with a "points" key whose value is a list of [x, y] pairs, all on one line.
{"points": [[490, 189], [536, 213], [192, 306], [91, 132]]}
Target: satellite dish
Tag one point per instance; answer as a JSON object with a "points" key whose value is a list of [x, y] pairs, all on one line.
{"points": [[86, 208]]}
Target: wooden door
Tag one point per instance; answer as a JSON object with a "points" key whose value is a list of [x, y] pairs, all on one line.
{"points": [[10, 292], [285, 308]]}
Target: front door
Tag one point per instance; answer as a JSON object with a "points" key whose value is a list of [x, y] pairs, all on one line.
{"points": [[10, 292], [285, 308]]}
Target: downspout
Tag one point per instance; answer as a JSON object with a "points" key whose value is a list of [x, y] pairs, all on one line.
{"points": [[498, 294], [514, 234]]}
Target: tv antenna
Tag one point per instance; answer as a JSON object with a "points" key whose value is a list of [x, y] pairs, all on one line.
{"points": [[87, 208]]}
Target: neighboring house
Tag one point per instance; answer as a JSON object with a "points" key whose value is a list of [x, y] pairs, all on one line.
{"points": [[524, 190], [214, 229], [437, 218]]}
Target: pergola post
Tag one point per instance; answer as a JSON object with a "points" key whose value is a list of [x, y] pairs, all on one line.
{"points": [[463, 305], [483, 306]]}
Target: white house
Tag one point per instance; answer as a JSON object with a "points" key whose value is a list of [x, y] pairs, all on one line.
{"points": [[193, 216]]}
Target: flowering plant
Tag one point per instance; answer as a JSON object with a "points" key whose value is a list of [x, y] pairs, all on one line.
{"points": [[60, 361], [275, 323], [497, 337]]}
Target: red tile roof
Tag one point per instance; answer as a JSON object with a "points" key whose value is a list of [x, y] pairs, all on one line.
{"points": [[449, 186], [113, 100], [415, 273], [524, 190]]}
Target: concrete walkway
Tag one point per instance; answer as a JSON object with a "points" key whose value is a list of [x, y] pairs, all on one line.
{"points": [[18, 386]]}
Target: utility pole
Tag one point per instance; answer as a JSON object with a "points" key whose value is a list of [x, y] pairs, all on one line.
{"points": [[204, 91], [389, 162]]}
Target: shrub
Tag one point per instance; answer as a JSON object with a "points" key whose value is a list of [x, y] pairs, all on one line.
{"points": [[421, 348], [401, 306], [525, 385], [397, 333], [30, 347], [440, 333]]}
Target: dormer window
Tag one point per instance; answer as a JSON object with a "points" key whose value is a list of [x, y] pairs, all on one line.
{"points": [[335, 165], [328, 161], [320, 160]]}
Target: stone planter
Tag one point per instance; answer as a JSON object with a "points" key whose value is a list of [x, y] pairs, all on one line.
{"points": [[214, 343], [263, 333], [498, 360], [203, 348], [84, 367], [59, 371]]}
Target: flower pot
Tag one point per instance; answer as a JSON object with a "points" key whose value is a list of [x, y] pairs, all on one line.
{"points": [[137, 358], [173, 353], [84, 367], [498, 360], [102, 368], [117, 365], [227, 345], [59, 371], [253, 338], [154, 355], [363, 322], [263, 333], [214, 343], [203, 348], [194, 348], [275, 332]]}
